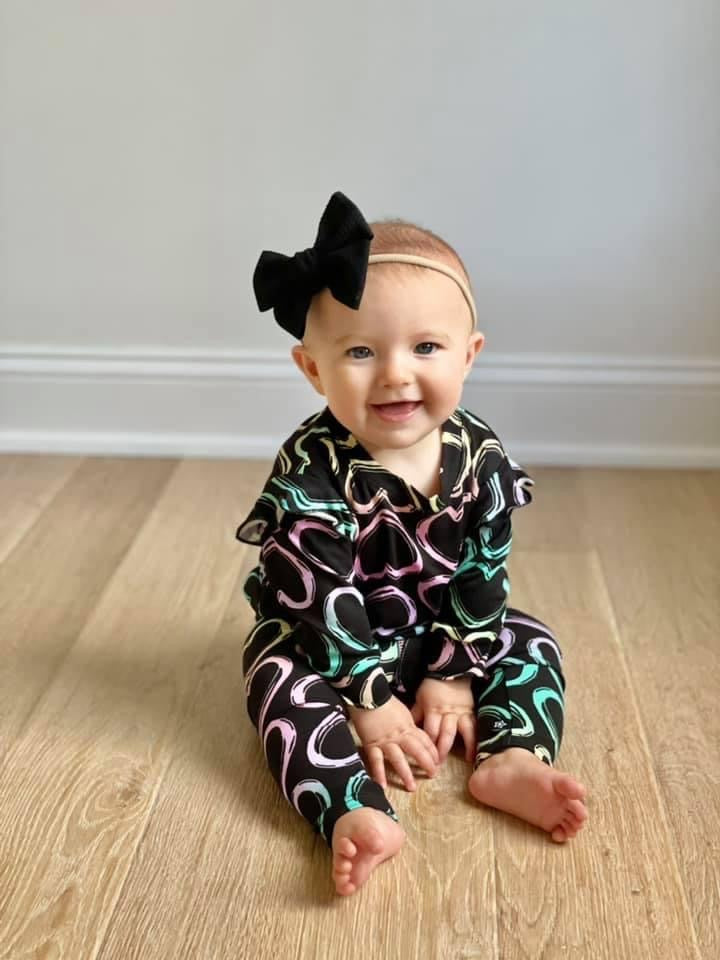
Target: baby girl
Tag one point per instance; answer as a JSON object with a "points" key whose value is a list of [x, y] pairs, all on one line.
{"points": [[384, 528]]}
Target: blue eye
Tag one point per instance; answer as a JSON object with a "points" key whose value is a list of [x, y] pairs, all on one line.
{"points": [[426, 348], [358, 353]]}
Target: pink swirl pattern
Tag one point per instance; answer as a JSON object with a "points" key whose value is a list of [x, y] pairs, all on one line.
{"points": [[385, 520]]}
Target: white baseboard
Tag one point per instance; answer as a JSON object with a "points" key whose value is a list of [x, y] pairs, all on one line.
{"points": [[564, 409]]}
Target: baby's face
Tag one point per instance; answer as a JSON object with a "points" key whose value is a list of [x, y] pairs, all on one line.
{"points": [[392, 371]]}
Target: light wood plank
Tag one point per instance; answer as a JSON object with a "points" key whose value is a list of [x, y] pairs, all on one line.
{"points": [[27, 485], [615, 892], [434, 899], [53, 578], [137, 818], [80, 782], [557, 519], [238, 849], [658, 534], [243, 844]]}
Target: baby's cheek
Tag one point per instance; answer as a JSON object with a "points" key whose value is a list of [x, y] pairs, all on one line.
{"points": [[448, 384]]}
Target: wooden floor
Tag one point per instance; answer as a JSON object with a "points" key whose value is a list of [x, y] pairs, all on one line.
{"points": [[137, 819]]}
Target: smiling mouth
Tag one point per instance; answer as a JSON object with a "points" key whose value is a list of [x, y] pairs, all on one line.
{"points": [[396, 412]]}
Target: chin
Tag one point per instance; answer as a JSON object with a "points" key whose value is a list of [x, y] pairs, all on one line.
{"points": [[402, 440]]}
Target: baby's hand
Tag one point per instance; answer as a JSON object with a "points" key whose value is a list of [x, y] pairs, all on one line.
{"points": [[389, 733], [445, 708]]}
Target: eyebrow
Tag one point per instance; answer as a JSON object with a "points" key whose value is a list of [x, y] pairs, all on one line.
{"points": [[421, 337]]}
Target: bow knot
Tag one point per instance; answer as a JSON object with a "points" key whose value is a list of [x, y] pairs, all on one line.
{"points": [[338, 260], [308, 264]]}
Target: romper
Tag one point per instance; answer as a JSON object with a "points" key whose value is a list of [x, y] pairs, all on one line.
{"points": [[365, 586]]}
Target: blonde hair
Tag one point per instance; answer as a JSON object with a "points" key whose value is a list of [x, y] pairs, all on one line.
{"points": [[401, 236]]}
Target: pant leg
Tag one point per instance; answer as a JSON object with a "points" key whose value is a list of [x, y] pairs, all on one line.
{"points": [[303, 727], [521, 701]]}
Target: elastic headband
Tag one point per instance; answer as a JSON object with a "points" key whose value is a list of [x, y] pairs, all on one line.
{"points": [[338, 260], [432, 265]]}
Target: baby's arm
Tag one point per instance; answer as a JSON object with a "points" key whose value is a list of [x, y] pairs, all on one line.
{"points": [[460, 639], [468, 623], [473, 606], [308, 567], [308, 574]]}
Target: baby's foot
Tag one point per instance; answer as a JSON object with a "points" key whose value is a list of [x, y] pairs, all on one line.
{"points": [[517, 782], [361, 840]]}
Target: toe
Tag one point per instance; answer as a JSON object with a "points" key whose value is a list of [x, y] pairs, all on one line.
{"points": [[559, 835], [577, 809], [581, 790], [346, 848], [572, 822], [579, 824], [568, 787]]}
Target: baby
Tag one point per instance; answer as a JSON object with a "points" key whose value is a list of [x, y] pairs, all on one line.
{"points": [[384, 528]]}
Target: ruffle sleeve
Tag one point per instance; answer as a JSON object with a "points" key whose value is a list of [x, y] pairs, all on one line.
{"points": [[306, 537], [475, 601], [295, 495]]}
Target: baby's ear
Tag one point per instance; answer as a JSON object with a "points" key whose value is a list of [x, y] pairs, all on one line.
{"points": [[305, 363], [474, 346]]}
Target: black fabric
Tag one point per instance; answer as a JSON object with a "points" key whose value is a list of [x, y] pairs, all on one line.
{"points": [[359, 557], [338, 260], [303, 726]]}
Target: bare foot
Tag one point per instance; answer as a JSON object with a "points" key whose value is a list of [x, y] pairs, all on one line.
{"points": [[517, 782], [361, 840]]}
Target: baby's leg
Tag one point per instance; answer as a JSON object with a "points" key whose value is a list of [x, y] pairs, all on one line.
{"points": [[520, 721], [311, 753]]}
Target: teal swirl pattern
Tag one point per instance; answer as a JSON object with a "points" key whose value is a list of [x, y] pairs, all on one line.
{"points": [[307, 741], [365, 586]]}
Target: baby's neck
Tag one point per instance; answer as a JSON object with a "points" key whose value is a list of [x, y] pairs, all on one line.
{"points": [[418, 465]]}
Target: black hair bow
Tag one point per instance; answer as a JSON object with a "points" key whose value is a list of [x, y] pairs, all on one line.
{"points": [[338, 260]]}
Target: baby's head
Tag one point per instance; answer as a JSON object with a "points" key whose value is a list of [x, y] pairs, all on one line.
{"points": [[393, 370]]}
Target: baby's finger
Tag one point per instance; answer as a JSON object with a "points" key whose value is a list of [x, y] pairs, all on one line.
{"points": [[431, 725], [376, 765], [420, 754], [395, 756], [448, 731], [429, 745], [466, 729]]}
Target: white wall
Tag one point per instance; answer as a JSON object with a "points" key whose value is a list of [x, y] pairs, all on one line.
{"points": [[150, 150]]}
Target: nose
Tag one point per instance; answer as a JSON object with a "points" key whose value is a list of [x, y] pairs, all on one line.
{"points": [[394, 371]]}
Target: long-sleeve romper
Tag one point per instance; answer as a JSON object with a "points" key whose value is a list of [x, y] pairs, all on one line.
{"points": [[365, 586]]}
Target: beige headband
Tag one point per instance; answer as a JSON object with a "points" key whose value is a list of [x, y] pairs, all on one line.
{"points": [[432, 265]]}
